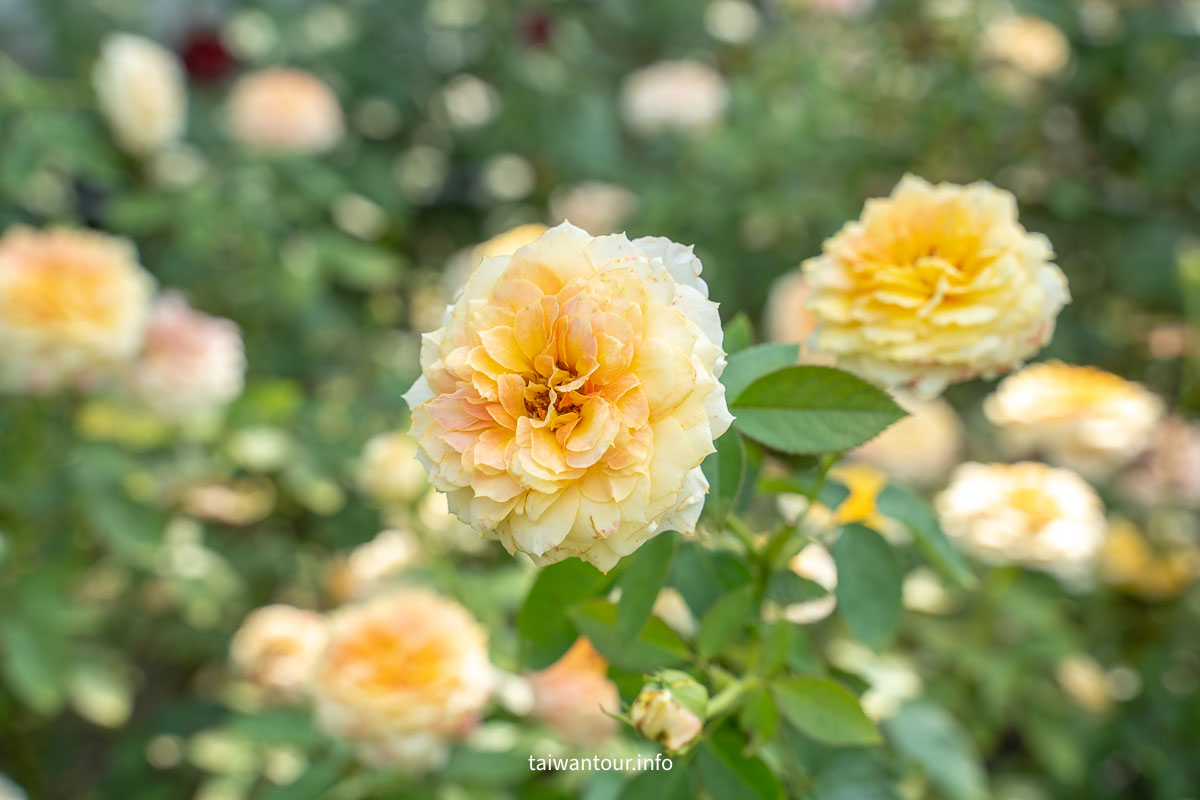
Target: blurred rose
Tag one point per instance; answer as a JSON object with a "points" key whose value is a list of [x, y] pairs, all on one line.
{"points": [[9, 790], [672, 609], [568, 401], [1079, 417], [658, 715], [1028, 513], [370, 565], [1170, 471], [1027, 43], [922, 448], [1085, 682], [284, 110], [1164, 569], [141, 92], [841, 8], [787, 318], [674, 95], [239, 502], [932, 285], [389, 470], [191, 364], [205, 56], [596, 207], [73, 305], [403, 676], [277, 648], [815, 563], [573, 694]]}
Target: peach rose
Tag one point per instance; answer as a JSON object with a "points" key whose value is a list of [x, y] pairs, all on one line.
{"points": [[141, 91], [575, 697], [1026, 513], [682, 95], [369, 566], [571, 394], [277, 648], [403, 676], [191, 363], [285, 110], [389, 470], [73, 305], [1027, 43], [932, 285], [1079, 417]]}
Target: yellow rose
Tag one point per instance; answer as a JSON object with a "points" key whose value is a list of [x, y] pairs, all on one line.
{"points": [[1079, 417], [932, 285], [1026, 513], [575, 697], [1129, 561], [403, 676], [1027, 43], [569, 398], [73, 305], [285, 110], [141, 91], [277, 648]]}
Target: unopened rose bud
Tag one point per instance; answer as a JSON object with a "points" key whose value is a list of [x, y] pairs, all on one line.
{"points": [[669, 711]]}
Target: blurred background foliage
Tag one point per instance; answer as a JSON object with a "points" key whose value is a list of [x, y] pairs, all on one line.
{"points": [[119, 591]]}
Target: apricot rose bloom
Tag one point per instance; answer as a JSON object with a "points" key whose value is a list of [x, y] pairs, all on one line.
{"points": [[1079, 417], [285, 110], [571, 394], [1027, 513], [73, 306], [575, 697], [277, 648], [403, 676], [934, 284]]}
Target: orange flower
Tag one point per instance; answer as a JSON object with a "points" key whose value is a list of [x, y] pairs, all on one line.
{"points": [[285, 111], [73, 305], [573, 694], [572, 393]]}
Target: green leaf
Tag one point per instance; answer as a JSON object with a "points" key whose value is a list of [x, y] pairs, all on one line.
{"points": [[724, 621], [656, 646], [776, 640], [930, 736], [315, 783], [739, 333], [642, 582], [702, 575], [869, 585], [787, 588], [824, 710], [33, 665], [660, 784], [759, 717], [729, 775], [749, 365], [542, 622], [725, 470], [902, 505], [812, 410]]}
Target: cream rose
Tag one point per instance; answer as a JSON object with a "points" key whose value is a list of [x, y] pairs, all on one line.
{"points": [[932, 285], [1078, 416], [571, 394], [1027, 43], [141, 90], [403, 676], [284, 110], [369, 566], [1026, 513], [575, 697], [922, 448], [191, 364], [73, 306], [680, 95], [277, 648], [657, 714], [389, 470]]}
